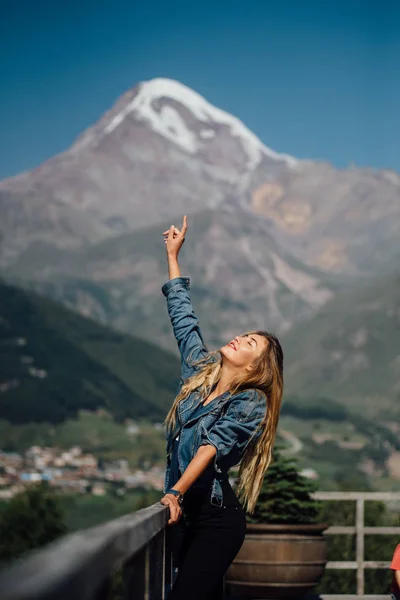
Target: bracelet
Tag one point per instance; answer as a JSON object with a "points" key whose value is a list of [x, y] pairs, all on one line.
{"points": [[177, 495]]}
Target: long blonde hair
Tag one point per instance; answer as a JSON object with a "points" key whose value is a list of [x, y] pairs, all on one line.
{"points": [[267, 377]]}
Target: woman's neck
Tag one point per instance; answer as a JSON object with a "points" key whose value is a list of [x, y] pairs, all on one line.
{"points": [[224, 381]]}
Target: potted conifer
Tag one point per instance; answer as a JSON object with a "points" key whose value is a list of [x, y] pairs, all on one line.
{"points": [[284, 552]]}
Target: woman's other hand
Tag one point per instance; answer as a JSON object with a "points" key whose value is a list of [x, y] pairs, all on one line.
{"points": [[175, 237], [175, 511]]}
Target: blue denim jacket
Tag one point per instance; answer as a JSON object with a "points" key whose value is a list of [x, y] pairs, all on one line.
{"points": [[228, 422]]}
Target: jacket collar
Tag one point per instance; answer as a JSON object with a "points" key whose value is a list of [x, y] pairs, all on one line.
{"points": [[188, 414]]}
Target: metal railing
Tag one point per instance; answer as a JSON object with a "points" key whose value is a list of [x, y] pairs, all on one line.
{"points": [[80, 565], [359, 530]]}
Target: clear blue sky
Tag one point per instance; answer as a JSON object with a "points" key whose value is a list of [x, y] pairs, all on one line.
{"points": [[314, 78]]}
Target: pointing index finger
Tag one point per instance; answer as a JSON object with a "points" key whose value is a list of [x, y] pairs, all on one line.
{"points": [[184, 225]]}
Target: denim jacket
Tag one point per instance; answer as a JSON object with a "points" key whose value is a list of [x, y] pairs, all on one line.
{"points": [[228, 422]]}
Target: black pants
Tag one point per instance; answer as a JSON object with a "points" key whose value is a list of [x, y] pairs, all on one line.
{"points": [[205, 541]]}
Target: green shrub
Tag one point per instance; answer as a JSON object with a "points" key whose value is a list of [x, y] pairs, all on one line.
{"points": [[285, 495], [31, 519]]}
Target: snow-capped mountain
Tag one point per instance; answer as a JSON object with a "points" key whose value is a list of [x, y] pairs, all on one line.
{"points": [[179, 114], [162, 149]]}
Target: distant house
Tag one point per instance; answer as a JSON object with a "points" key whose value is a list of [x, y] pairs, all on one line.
{"points": [[98, 489], [132, 429], [31, 477]]}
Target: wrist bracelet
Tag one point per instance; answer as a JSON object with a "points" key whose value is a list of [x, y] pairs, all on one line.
{"points": [[177, 495]]}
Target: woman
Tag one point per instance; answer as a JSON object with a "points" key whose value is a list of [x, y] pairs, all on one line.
{"points": [[226, 412]]}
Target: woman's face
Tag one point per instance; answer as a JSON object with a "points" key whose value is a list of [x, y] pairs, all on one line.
{"points": [[244, 349]]}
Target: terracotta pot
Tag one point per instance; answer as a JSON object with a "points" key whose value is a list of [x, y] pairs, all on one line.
{"points": [[278, 561]]}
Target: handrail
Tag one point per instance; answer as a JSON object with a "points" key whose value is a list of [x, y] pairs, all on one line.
{"points": [[79, 565]]}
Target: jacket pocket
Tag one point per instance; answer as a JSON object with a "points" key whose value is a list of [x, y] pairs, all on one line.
{"points": [[241, 411]]}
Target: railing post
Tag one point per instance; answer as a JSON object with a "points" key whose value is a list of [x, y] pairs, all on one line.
{"points": [[135, 576], [168, 563], [360, 545], [156, 570], [104, 592]]}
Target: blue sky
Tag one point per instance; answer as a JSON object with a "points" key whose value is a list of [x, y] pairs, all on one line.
{"points": [[316, 79]]}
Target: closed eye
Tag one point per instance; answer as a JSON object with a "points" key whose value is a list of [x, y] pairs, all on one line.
{"points": [[253, 340]]}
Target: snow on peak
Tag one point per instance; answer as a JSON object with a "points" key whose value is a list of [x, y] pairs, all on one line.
{"points": [[168, 122]]}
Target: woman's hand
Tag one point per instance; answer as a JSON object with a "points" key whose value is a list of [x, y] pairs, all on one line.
{"points": [[175, 237], [175, 511]]}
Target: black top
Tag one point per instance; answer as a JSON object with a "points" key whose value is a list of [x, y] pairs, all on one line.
{"points": [[175, 473]]}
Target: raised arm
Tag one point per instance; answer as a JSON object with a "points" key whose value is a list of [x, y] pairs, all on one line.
{"points": [[177, 291]]}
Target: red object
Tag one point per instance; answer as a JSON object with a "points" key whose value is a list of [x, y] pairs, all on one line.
{"points": [[395, 566]]}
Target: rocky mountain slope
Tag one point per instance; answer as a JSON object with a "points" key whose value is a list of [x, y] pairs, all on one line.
{"points": [[237, 284]]}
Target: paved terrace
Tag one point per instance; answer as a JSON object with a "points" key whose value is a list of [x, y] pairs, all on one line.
{"points": [[80, 565]]}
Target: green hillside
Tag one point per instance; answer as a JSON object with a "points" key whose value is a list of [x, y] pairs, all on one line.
{"points": [[350, 351], [54, 362]]}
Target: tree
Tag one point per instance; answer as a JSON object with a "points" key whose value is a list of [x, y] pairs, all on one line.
{"points": [[31, 519], [285, 495]]}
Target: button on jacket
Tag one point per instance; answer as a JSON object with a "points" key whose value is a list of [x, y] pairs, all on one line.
{"points": [[229, 422]]}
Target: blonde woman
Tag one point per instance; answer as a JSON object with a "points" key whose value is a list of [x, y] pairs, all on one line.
{"points": [[226, 412]]}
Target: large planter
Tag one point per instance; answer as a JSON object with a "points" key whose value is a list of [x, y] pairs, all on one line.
{"points": [[278, 561]]}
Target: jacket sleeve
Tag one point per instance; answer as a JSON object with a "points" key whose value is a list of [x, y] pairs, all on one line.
{"points": [[233, 431], [185, 324]]}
